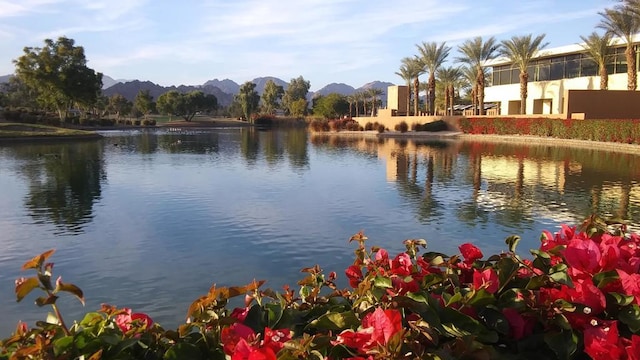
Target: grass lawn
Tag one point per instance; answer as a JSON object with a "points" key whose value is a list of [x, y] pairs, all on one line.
{"points": [[19, 130]]}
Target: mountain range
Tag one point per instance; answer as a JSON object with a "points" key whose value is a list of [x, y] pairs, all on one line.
{"points": [[224, 90]]}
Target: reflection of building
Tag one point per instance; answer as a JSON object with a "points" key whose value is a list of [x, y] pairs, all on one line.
{"points": [[554, 78]]}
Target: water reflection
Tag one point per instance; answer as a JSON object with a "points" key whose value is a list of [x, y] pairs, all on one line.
{"points": [[509, 184], [64, 182]]}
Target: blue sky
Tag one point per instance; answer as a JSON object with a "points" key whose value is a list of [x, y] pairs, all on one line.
{"points": [[349, 41]]}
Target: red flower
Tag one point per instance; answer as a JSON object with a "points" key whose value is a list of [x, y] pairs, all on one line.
{"points": [[402, 265], [519, 326], [487, 279], [470, 252], [583, 255], [231, 337], [385, 324], [354, 274], [244, 351], [240, 313], [633, 347], [126, 320], [275, 339], [601, 340]]}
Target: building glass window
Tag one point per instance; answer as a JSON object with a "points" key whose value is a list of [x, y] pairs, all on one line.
{"points": [[621, 63], [556, 70], [588, 67], [572, 66]]}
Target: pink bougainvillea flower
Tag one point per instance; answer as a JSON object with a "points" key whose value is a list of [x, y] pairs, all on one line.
{"points": [[583, 255], [632, 347], [127, 320], [630, 284], [232, 335], [385, 324], [519, 326], [401, 265], [601, 340], [244, 351], [487, 279], [584, 292], [240, 313], [470, 252], [275, 339], [354, 274], [361, 340]]}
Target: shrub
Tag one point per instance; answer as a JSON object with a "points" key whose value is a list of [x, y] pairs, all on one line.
{"points": [[368, 126], [434, 126], [402, 127], [263, 119], [381, 128], [577, 297]]}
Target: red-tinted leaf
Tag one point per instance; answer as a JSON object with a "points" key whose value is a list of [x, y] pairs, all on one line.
{"points": [[37, 261], [24, 287], [70, 288], [42, 301]]}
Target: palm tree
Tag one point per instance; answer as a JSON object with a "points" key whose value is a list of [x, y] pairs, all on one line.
{"points": [[520, 50], [475, 53], [350, 99], [357, 97], [432, 57], [409, 69], [622, 21], [449, 77], [374, 93], [598, 48], [469, 75]]}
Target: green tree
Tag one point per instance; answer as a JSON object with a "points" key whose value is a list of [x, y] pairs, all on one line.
{"points": [[475, 53], [296, 90], [58, 75], [248, 99], [169, 103], [271, 96], [598, 48], [196, 102], [119, 105], [144, 102], [432, 56], [17, 94], [331, 106], [520, 50], [624, 22], [298, 108]]}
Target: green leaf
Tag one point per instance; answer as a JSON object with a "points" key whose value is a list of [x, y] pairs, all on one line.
{"points": [[561, 277], [382, 282], [274, 314], [512, 298], [512, 241], [62, 344], [457, 297], [335, 321], [537, 282], [630, 316], [183, 351], [494, 320], [564, 343], [458, 324], [506, 267], [25, 287], [91, 319], [480, 298], [620, 299], [603, 278]]}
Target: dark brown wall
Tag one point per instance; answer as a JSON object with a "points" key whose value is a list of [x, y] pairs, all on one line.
{"points": [[603, 104]]}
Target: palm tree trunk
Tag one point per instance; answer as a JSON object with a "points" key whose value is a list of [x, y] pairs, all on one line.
{"points": [[480, 85], [524, 78], [474, 99], [416, 95], [604, 78], [432, 93], [631, 67], [357, 109], [408, 97], [451, 98], [446, 100]]}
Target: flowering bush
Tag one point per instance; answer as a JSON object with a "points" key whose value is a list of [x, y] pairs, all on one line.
{"points": [[577, 297], [620, 131]]}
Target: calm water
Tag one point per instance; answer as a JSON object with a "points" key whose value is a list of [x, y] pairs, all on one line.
{"points": [[150, 220]]}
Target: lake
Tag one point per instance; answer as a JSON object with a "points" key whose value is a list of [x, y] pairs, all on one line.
{"points": [[151, 219]]}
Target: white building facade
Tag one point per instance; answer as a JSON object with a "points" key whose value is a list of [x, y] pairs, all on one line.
{"points": [[551, 74]]}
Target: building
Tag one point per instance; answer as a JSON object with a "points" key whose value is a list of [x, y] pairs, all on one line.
{"points": [[558, 79]]}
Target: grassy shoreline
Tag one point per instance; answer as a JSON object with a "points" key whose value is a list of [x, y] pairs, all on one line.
{"points": [[19, 132]]}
